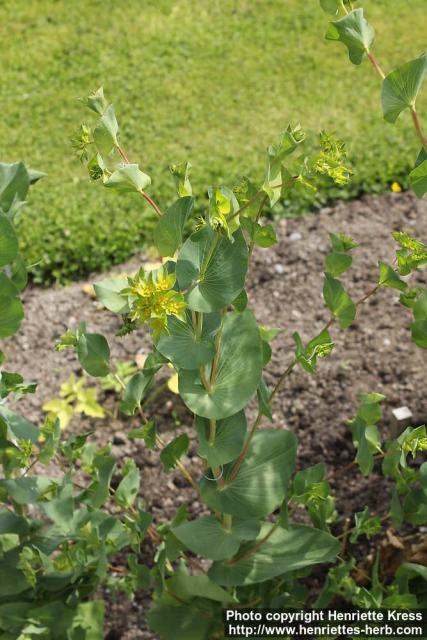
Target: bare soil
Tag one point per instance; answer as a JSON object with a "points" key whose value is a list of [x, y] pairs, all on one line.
{"points": [[285, 290]]}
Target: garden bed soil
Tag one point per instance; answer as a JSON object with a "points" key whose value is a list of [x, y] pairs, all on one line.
{"points": [[285, 290]]}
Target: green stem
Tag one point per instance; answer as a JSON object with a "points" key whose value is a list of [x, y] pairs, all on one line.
{"points": [[119, 379], [208, 256], [142, 193], [418, 128], [205, 380], [215, 363], [199, 324], [258, 215], [227, 521], [254, 549], [375, 64], [212, 432]]}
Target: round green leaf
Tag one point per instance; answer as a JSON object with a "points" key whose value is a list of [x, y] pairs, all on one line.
{"points": [[418, 175], [337, 263], [127, 179], [261, 482], [207, 537], [338, 301], [170, 227], [401, 87], [238, 373], [14, 183], [11, 315], [181, 346], [94, 354], [229, 439], [285, 550], [8, 241], [213, 267], [108, 292], [354, 32], [419, 333]]}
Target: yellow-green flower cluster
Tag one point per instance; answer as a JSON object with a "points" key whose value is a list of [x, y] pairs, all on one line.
{"points": [[331, 161], [153, 299]]}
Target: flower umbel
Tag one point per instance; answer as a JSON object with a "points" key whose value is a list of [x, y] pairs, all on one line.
{"points": [[152, 299], [331, 161]]}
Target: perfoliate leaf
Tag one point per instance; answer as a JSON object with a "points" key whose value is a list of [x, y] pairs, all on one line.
{"points": [[173, 451], [106, 132], [52, 433], [128, 178], [108, 292], [181, 175], [26, 490], [169, 230], [207, 537], [229, 439], [260, 485], [19, 275], [173, 621], [370, 407], [135, 391], [94, 354], [14, 184], [419, 326], [198, 586], [310, 485], [320, 346], [35, 175], [265, 236], [389, 278], [285, 550], [419, 333], [365, 434], [213, 268], [184, 347], [276, 154], [354, 32], [337, 263], [241, 302], [409, 296], [364, 456], [11, 315], [401, 87], [8, 241], [238, 371], [223, 208], [338, 301], [147, 433], [96, 101], [248, 197], [418, 175], [104, 465], [331, 6], [342, 243], [18, 426], [128, 488]]}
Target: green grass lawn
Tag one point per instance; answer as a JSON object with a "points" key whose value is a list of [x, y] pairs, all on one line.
{"points": [[211, 82]]}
